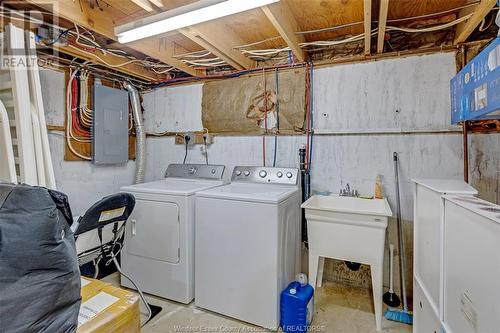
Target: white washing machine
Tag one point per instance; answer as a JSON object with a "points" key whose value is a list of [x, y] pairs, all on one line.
{"points": [[248, 243], [158, 250]]}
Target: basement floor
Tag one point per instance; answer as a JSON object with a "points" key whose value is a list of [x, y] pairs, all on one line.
{"points": [[338, 309]]}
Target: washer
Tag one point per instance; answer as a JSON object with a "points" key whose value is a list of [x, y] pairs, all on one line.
{"points": [[158, 250], [248, 243]]}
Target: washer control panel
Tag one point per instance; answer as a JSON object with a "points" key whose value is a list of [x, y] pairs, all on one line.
{"points": [[195, 171], [253, 174]]}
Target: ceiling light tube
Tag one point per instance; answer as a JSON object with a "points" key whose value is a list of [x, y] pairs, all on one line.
{"points": [[198, 12]]}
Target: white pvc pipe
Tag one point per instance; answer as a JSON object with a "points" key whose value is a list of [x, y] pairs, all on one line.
{"points": [[7, 162], [140, 142]]}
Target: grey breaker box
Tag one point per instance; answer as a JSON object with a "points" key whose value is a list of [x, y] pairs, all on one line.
{"points": [[110, 125]]}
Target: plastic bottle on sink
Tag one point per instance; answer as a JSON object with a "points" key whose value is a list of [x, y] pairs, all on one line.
{"points": [[297, 305], [378, 187]]}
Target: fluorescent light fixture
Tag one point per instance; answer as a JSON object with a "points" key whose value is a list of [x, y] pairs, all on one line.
{"points": [[198, 12]]}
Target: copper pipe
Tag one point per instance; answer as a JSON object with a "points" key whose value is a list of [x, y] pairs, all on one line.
{"points": [[466, 151], [464, 126]]}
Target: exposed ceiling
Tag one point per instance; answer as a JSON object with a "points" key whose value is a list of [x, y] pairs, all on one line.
{"points": [[273, 33]]}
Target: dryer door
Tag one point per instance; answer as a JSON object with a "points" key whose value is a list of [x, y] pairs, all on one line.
{"points": [[153, 231]]}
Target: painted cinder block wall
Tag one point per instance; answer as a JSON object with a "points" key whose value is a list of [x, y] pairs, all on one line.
{"points": [[363, 112]]}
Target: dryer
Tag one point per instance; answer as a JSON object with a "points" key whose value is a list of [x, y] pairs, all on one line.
{"points": [[248, 243], [158, 250]]}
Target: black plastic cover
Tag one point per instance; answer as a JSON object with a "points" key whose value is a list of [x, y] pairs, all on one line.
{"points": [[39, 274]]}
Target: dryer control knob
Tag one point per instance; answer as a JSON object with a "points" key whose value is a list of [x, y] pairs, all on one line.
{"points": [[238, 173], [246, 173], [262, 173], [279, 174], [289, 174]]}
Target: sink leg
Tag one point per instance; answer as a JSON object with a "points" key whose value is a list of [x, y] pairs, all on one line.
{"points": [[377, 286], [313, 269], [320, 271]]}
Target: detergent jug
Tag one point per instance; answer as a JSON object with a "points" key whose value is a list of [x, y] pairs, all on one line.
{"points": [[297, 305]]}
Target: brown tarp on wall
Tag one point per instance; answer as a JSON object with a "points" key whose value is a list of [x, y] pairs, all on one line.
{"points": [[237, 106]]}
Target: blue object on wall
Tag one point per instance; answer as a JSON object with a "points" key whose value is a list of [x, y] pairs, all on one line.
{"points": [[475, 90], [297, 307]]}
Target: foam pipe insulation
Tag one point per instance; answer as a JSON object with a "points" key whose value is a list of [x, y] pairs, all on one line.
{"points": [[140, 143]]}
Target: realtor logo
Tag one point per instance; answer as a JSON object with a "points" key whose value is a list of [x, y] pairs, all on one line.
{"points": [[26, 32]]}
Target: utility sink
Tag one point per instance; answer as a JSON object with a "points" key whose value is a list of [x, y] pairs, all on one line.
{"points": [[350, 229], [352, 205]]}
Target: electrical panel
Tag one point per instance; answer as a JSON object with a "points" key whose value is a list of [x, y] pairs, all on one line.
{"points": [[110, 125]]}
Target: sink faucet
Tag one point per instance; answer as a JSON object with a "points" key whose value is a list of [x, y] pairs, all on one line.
{"points": [[347, 192]]}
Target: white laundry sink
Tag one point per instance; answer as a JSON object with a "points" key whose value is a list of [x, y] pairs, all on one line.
{"points": [[350, 229], [335, 203]]}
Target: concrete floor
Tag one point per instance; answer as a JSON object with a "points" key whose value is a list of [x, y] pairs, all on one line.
{"points": [[338, 309]]}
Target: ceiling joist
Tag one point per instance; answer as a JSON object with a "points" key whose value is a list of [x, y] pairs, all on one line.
{"points": [[109, 61], [144, 4], [382, 22], [281, 17], [220, 41], [99, 21], [367, 9], [465, 28]]}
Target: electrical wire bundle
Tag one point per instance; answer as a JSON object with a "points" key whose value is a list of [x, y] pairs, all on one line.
{"points": [[74, 129], [199, 59], [277, 53]]}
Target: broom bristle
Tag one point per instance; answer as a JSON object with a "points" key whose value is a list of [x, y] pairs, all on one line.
{"points": [[401, 316]]}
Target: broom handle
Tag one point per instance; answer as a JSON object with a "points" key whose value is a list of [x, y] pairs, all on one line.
{"points": [[402, 259], [391, 270]]}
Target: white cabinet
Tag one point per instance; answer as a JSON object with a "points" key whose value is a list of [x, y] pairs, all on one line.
{"points": [[428, 244], [471, 273], [425, 318]]}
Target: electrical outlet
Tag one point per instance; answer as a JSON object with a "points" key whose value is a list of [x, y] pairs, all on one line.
{"points": [[195, 138], [189, 138]]}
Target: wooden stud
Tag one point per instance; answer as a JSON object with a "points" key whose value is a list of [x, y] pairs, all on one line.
{"points": [[285, 23], [464, 29], [382, 21], [219, 40], [367, 8], [100, 22]]}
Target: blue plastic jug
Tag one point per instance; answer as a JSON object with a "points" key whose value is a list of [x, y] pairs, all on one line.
{"points": [[296, 307]]}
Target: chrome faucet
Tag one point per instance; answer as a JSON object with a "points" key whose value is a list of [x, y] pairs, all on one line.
{"points": [[347, 192]]}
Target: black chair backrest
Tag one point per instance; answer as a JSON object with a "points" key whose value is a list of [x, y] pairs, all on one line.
{"points": [[110, 209]]}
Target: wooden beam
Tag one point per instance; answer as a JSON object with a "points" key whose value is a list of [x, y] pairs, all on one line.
{"points": [[367, 8], [464, 29], [220, 40], [285, 23], [144, 4], [135, 70], [382, 22], [102, 23], [157, 3]]}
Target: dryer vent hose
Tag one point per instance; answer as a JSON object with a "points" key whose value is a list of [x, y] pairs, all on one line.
{"points": [[140, 144]]}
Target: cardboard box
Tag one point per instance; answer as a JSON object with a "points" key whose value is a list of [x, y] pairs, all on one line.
{"points": [[107, 309], [475, 90]]}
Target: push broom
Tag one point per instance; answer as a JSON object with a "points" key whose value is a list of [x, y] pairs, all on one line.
{"points": [[404, 315]]}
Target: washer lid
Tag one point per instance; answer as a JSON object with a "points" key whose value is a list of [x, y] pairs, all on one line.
{"points": [[264, 193], [173, 186]]}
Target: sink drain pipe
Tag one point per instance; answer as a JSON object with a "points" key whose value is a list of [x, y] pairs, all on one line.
{"points": [[306, 189]]}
